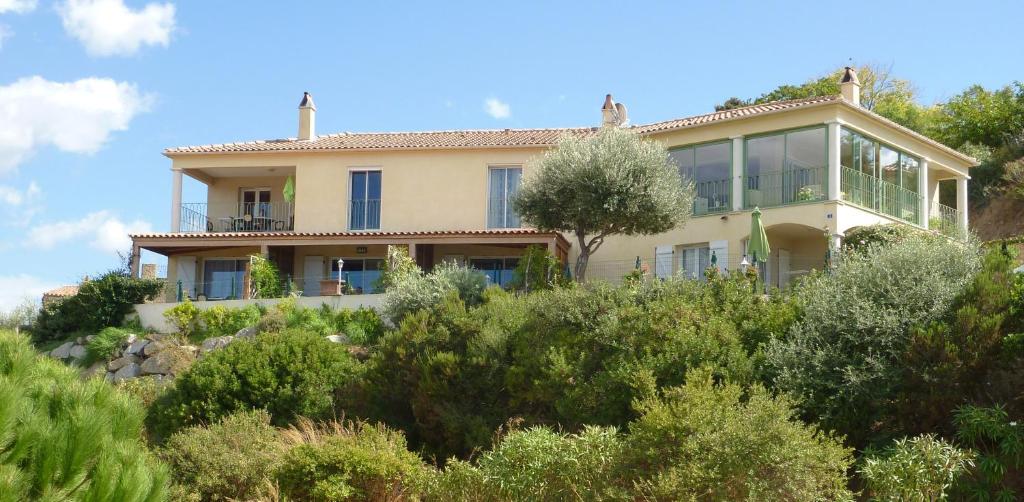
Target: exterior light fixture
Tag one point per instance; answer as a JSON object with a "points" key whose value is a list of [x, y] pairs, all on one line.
{"points": [[745, 262]]}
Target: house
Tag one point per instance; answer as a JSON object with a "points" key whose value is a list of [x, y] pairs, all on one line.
{"points": [[816, 168], [58, 294]]}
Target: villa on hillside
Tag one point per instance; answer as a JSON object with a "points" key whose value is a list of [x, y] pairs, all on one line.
{"points": [[816, 168]]}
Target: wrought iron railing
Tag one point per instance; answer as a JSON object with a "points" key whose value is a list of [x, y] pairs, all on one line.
{"points": [[790, 186], [873, 193], [945, 219], [364, 214], [245, 217], [712, 196]]}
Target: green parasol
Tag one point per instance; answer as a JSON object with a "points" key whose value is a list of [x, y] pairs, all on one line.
{"points": [[757, 246], [289, 190]]}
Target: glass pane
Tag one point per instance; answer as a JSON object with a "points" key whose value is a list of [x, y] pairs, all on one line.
{"points": [[806, 149], [223, 278], [496, 199], [683, 158], [867, 156], [508, 271], [490, 267], [889, 164], [264, 196], [765, 155], [357, 206], [910, 167], [513, 178], [846, 149], [373, 185], [358, 185], [712, 162]]}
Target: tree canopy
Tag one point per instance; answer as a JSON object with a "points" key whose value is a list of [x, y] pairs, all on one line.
{"points": [[613, 182]]}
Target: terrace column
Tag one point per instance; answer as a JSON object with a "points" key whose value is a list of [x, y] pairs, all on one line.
{"points": [[922, 190], [834, 172], [961, 201], [737, 173], [175, 199]]}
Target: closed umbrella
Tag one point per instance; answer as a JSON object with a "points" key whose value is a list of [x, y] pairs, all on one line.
{"points": [[289, 190], [757, 246]]}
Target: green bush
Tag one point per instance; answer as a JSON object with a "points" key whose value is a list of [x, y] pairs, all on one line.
{"points": [[536, 270], [349, 462], [920, 469], [863, 239], [289, 374], [222, 321], [844, 358], [62, 438], [413, 290], [264, 278], [703, 441], [998, 440], [184, 317], [105, 344], [538, 464], [232, 459], [100, 302]]}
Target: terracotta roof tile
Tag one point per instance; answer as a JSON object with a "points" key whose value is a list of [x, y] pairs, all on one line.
{"points": [[62, 291], [425, 233]]}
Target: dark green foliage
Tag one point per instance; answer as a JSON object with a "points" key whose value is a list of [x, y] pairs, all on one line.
{"points": [[265, 280], [100, 302], [704, 441], [537, 270], [999, 441], [232, 459], [222, 321], [863, 239], [62, 438], [349, 462], [289, 374], [103, 346]]}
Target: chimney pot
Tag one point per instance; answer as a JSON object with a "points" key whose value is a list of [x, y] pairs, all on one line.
{"points": [[307, 118], [849, 86]]}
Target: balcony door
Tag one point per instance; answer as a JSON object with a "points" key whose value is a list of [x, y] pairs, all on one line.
{"points": [[255, 202], [364, 200]]}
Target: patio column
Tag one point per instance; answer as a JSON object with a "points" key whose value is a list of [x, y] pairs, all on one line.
{"points": [[922, 190], [961, 201], [175, 199], [134, 263], [737, 173], [834, 148]]}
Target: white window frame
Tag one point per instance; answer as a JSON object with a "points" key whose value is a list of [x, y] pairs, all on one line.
{"points": [[368, 169], [504, 196]]}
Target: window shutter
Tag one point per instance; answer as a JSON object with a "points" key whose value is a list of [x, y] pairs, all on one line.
{"points": [[720, 250], [663, 262]]}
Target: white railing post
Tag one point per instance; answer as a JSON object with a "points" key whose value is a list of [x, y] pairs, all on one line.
{"points": [[737, 173], [834, 146], [175, 199], [961, 201], [922, 191]]}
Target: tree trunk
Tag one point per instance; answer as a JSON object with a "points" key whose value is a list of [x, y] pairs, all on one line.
{"points": [[581, 264]]}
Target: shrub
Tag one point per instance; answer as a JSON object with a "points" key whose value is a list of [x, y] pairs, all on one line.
{"points": [[542, 465], [412, 291], [843, 359], [68, 439], [105, 344], [349, 462], [222, 321], [999, 443], [362, 326], [289, 374], [537, 269], [100, 302], [705, 442], [232, 459], [264, 279], [183, 317], [863, 239], [922, 469], [396, 268]]}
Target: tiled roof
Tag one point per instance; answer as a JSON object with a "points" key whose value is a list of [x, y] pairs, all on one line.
{"points": [[62, 291], [508, 138], [425, 233]]}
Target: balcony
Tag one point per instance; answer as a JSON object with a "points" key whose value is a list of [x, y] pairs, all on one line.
{"points": [[244, 217], [791, 186], [878, 195], [712, 196], [945, 220]]}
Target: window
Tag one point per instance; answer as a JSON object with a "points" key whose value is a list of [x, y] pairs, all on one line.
{"points": [[499, 271], [709, 168], [364, 205], [504, 184], [361, 274], [223, 278], [695, 260], [860, 153], [786, 167]]}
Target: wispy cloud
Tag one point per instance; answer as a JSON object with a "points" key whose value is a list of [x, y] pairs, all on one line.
{"points": [[110, 28], [103, 230], [497, 108], [17, 6], [16, 289], [74, 116], [19, 206]]}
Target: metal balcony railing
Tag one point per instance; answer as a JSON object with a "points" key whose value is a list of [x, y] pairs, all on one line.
{"points": [[245, 217], [878, 195], [790, 186], [364, 214], [944, 219]]}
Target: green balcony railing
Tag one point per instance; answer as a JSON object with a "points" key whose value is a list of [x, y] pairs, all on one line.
{"points": [[712, 196], [791, 186], [945, 220], [879, 195]]}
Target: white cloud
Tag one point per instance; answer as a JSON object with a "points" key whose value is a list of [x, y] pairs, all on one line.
{"points": [[110, 28], [17, 6], [17, 206], [14, 197], [74, 116], [103, 230], [15, 289], [497, 108], [5, 33]]}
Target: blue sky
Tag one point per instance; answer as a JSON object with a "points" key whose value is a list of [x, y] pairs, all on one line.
{"points": [[91, 91]]}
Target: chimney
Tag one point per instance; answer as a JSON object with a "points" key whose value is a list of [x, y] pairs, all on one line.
{"points": [[613, 114], [307, 118], [850, 86]]}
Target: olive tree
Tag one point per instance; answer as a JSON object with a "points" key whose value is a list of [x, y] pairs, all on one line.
{"points": [[610, 183]]}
